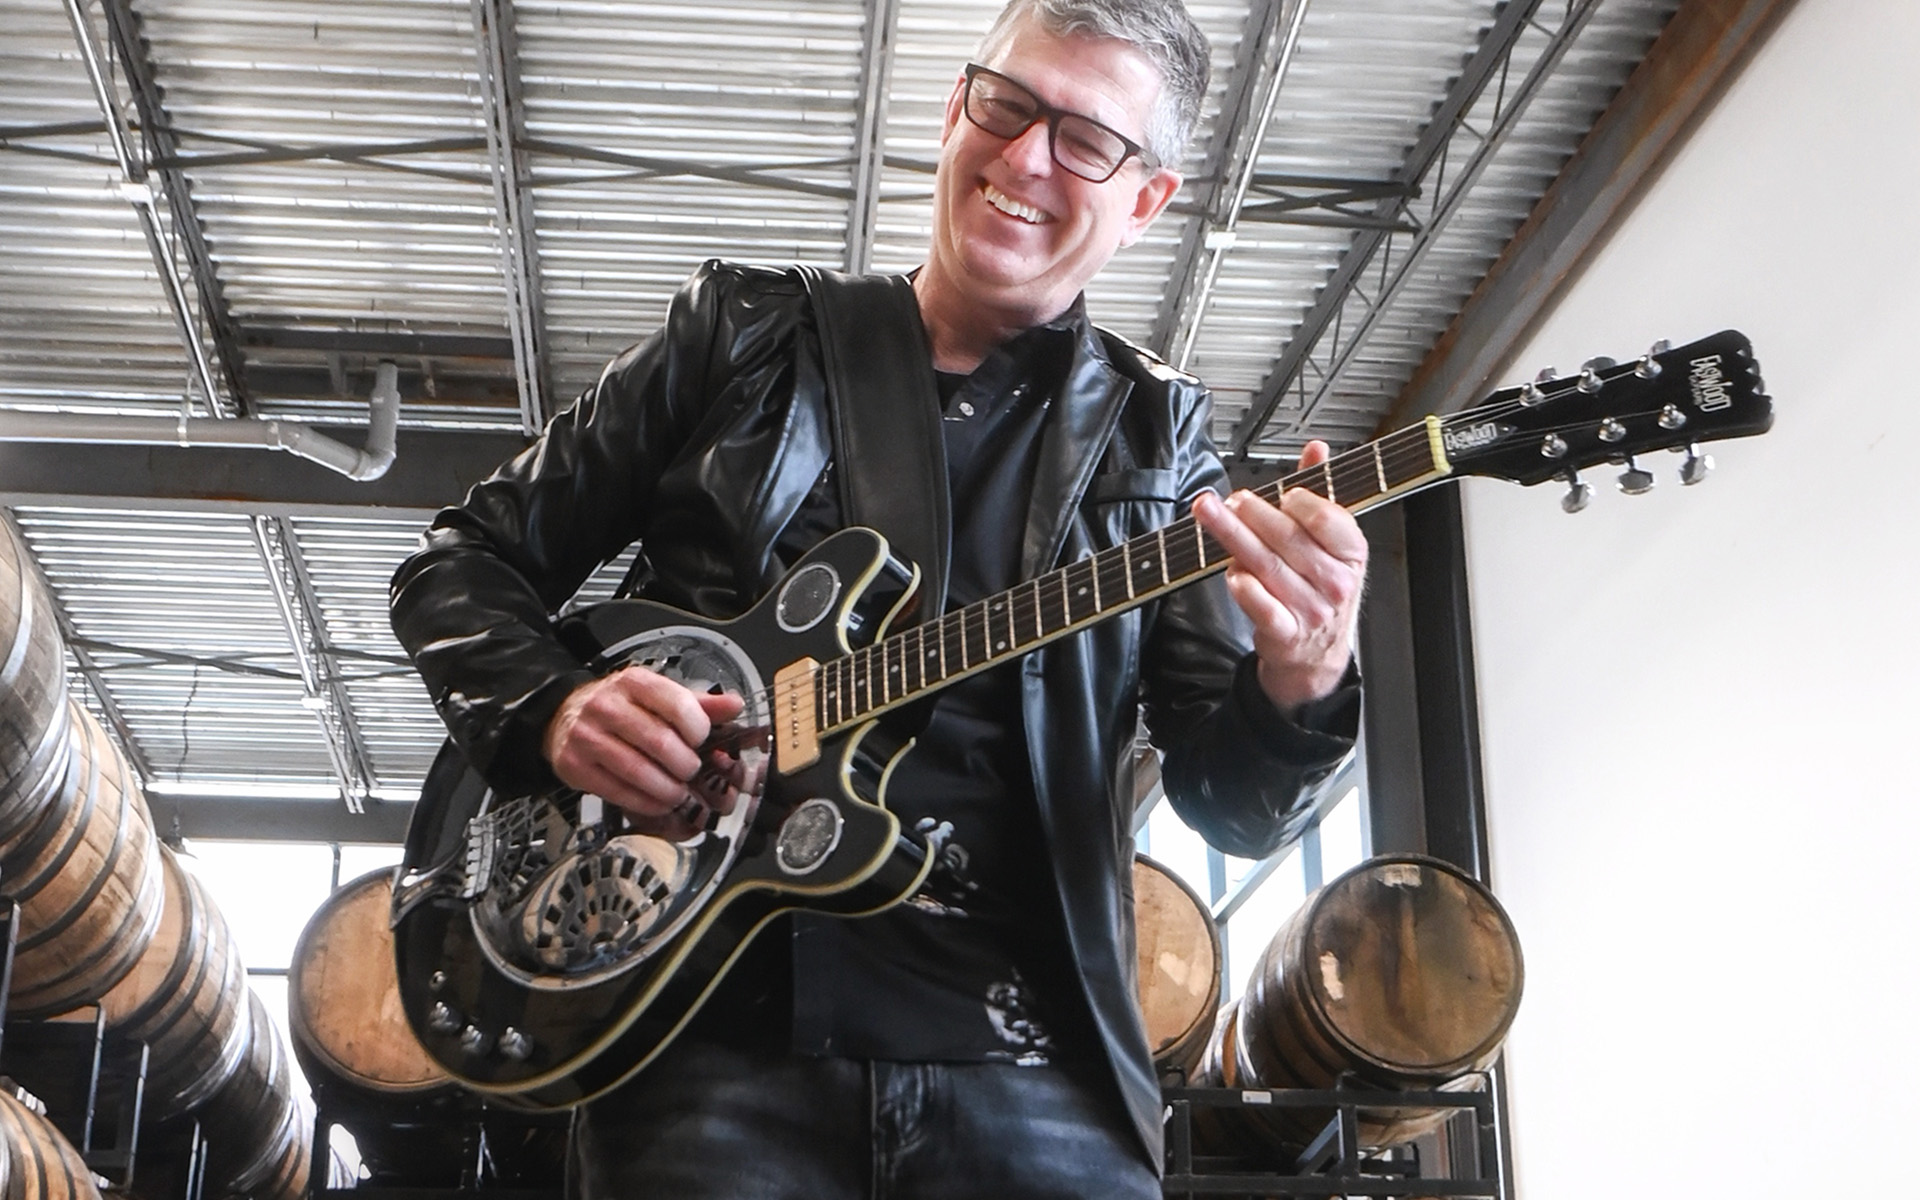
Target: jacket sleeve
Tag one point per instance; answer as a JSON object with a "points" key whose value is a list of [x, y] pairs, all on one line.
{"points": [[473, 605], [1237, 770]]}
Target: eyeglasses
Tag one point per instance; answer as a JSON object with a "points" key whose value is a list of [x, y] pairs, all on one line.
{"points": [[1080, 144]]}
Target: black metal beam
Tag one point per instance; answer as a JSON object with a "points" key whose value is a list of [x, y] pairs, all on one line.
{"points": [[433, 468], [870, 129], [123, 27], [232, 818], [1480, 69], [1701, 49], [376, 343], [497, 48], [1228, 160]]}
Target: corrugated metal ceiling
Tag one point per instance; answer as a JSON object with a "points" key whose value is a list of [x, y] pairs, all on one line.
{"points": [[347, 182]]}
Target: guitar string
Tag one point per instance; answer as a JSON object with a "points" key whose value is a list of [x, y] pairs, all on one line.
{"points": [[1404, 447]]}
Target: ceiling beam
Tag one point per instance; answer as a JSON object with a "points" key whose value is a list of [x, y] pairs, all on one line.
{"points": [[1699, 52], [139, 192], [1258, 71], [1397, 260], [432, 469], [277, 819], [498, 51], [1486, 61], [325, 693], [870, 130], [156, 127]]}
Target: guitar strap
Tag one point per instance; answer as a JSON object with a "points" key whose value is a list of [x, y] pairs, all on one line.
{"points": [[884, 410]]}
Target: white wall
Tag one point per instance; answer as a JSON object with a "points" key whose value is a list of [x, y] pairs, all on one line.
{"points": [[1699, 708]]}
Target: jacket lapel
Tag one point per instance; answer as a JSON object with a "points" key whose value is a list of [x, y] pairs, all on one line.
{"points": [[1076, 435]]}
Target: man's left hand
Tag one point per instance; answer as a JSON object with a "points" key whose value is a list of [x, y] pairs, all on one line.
{"points": [[1297, 572]]}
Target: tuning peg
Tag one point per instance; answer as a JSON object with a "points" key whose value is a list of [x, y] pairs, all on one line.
{"points": [[1589, 384], [1671, 418], [1696, 467], [1578, 494], [1553, 446], [1646, 368], [1636, 480], [1530, 394], [1612, 431]]}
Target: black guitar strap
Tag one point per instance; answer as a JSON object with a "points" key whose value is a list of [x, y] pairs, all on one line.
{"points": [[884, 408]]}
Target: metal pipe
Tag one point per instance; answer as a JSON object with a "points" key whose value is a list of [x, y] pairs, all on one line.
{"points": [[266, 433]]}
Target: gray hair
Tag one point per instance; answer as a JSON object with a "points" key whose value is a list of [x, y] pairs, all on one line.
{"points": [[1159, 29]]}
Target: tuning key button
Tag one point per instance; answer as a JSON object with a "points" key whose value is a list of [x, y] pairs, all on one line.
{"points": [[473, 1040], [1545, 374], [1612, 430], [442, 1019], [1578, 494], [1635, 480], [1696, 467], [1672, 418], [1553, 446], [1646, 368], [515, 1045]]}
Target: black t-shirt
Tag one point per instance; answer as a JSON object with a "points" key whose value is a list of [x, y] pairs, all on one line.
{"points": [[985, 973]]}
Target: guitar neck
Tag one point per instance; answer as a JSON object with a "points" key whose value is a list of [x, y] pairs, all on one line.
{"points": [[926, 657]]}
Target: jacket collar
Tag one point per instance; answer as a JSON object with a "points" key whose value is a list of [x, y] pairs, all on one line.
{"points": [[1082, 419]]}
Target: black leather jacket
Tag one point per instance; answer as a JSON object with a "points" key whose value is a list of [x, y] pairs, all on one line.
{"points": [[702, 442]]}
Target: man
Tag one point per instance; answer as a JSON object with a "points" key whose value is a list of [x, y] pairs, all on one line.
{"points": [[987, 1043]]}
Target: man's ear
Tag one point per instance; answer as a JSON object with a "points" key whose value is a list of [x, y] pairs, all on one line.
{"points": [[1157, 191], [954, 102]]}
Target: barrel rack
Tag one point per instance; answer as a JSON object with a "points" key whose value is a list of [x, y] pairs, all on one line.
{"points": [[1334, 1164], [93, 1088]]}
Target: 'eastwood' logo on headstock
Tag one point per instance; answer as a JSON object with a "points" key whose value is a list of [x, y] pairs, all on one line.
{"points": [[1709, 384], [1472, 437]]}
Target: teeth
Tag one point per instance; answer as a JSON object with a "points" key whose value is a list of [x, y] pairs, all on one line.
{"points": [[1013, 208]]}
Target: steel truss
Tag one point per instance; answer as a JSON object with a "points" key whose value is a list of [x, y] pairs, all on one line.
{"points": [[1350, 307]]}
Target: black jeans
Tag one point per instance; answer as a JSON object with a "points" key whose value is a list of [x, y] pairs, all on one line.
{"points": [[708, 1122]]}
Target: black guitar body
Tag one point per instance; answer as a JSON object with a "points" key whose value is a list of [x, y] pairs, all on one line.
{"points": [[545, 983]]}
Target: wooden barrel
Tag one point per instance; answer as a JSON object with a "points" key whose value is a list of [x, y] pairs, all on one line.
{"points": [[36, 1160], [87, 880], [33, 690], [186, 998], [1402, 973], [370, 1075], [259, 1133], [1177, 951]]}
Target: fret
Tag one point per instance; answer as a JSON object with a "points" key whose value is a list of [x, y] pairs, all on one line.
{"points": [[1160, 536], [1380, 469], [1000, 633], [1093, 570], [1077, 583], [912, 677], [862, 683], [1126, 566], [1326, 474], [830, 693], [1066, 608], [890, 685], [1200, 544], [1039, 630]]}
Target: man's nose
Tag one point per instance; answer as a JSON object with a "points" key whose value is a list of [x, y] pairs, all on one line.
{"points": [[1031, 153]]}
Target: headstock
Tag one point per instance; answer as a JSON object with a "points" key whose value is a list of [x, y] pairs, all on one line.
{"points": [[1669, 399]]}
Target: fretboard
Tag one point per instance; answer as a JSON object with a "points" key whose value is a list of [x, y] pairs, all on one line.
{"points": [[928, 656]]}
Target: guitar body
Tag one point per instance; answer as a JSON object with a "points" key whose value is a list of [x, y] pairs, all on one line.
{"points": [[551, 951]]}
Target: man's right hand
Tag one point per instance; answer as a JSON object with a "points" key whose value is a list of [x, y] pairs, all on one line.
{"points": [[633, 738]]}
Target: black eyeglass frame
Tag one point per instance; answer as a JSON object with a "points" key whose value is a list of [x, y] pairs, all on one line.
{"points": [[1042, 111]]}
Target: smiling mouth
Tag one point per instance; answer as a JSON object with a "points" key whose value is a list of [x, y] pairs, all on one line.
{"points": [[1013, 208]]}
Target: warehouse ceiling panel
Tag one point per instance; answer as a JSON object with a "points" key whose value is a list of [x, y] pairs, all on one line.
{"points": [[229, 210]]}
